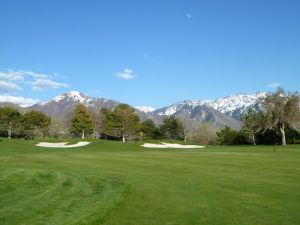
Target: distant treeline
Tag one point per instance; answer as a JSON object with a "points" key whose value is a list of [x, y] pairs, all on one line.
{"points": [[277, 122], [31, 124]]}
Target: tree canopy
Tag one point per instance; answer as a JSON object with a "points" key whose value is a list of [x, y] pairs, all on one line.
{"points": [[282, 110], [82, 123]]}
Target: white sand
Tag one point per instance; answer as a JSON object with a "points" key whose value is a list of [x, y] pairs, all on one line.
{"points": [[169, 145], [62, 144]]}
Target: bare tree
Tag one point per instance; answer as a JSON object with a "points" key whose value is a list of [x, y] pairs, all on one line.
{"points": [[97, 118], [281, 110]]}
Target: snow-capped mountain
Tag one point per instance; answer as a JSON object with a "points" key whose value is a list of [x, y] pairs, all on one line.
{"points": [[198, 111], [145, 109], [233, 105], [220, 112], [62, 105]]}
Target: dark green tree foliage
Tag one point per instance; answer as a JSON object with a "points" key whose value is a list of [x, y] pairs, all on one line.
{"points": [[282, 110], [82, 124], [228, 136], [150, 130], [172, 128], [108, 122], [35, 124], [10, 119]]}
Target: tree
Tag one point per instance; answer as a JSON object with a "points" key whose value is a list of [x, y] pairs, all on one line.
{"points": [[229, 136], [125, 121], [35, 124], [282, 110], [204, 134], [108, 122], [252, 123], [81, 123], [9, 120], [188, 125], [172, 128], [97, 118], [149, 130]]}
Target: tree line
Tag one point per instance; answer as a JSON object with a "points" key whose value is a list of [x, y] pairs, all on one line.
{"points": [[31, 124], [277, 123], [122, 123]]}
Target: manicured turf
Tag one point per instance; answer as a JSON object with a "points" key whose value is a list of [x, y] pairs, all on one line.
{"points": [[114, 183]]}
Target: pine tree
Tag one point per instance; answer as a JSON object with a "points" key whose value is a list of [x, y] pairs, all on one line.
{"points": [[82, 124], [172, 128]]}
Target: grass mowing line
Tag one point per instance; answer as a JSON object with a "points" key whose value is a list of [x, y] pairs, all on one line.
{"points": [[56, 198]]}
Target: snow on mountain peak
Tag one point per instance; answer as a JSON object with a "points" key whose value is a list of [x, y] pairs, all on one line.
{"points": [[75, 96], [145, 109], [227, 104], [233, 102]]}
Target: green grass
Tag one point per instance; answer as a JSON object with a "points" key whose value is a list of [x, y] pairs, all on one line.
{"points": [[114, 183]]}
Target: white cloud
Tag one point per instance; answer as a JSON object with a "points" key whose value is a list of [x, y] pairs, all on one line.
{"points": [[24, 102], [11, 75], [42, 84], [8, 86], [11, 80], [274, 85], [127, 74]]}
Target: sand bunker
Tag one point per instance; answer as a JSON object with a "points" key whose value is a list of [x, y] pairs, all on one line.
{"points": [[169, 145], [62, 144]]}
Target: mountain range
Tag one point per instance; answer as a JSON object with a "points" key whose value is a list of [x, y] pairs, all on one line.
{"points": [[220, 112]]}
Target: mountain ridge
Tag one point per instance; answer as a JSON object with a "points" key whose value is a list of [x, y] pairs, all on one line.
{"points": [[219, 113]]}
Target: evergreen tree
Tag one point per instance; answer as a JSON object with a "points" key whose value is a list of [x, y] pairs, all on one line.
{"points": [[172, 128], [149, 130], [228, 136], [82, 124]]}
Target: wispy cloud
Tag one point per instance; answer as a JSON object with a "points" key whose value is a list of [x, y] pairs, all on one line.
{"points": [[8, 86], [24, 102], [11, 80], [43, 84], [274, 85], [127, 74]]}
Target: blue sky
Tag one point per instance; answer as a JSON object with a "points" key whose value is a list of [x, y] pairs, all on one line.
{"points": [[148, 52]]}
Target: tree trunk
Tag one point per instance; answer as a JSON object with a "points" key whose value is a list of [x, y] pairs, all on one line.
{"points": [[9, 130], [253, 138], [123, 133], [123, 137], [281, 128], [82, 134]]}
